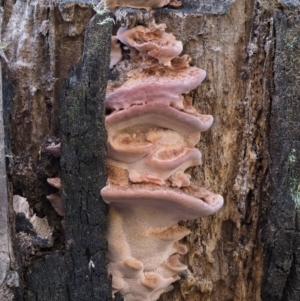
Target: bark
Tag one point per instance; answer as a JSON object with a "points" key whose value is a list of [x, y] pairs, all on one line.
{"points": [[4, 244], [282, 237], [81, 273], [83, 171], [249, 250]]}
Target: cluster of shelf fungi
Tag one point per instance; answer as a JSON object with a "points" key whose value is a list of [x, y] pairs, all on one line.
{"points": [[152, 132]]}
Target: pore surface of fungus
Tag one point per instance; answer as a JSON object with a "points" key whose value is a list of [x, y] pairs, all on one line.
{"points": [[152, 132]]}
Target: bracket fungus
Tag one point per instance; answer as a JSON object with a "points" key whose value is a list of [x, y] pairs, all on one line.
{"points": [[55, 198], [153, 41], [54, 150], [152, 132]]}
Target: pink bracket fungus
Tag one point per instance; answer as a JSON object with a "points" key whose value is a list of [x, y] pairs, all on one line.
{"points": [[165, 89], [152, 132], [54, 150], [153, 41], [55, 198]]}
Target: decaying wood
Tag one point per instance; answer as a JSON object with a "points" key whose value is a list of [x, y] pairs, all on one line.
{"points": [[5, 292], [83, 170], [45, 41], [224, 248], [83, 175], [281, 234], [81, 273], [39, 58], [250, 50]]}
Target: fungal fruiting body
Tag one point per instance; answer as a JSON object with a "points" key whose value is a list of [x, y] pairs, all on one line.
{"points": [[54, 150], [55, 198], [152, 132]]}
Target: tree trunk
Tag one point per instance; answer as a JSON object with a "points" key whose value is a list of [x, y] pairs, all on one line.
{"points": [[58, 67]]}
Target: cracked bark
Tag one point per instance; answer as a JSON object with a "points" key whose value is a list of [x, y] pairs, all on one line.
{"points": [[282, 237]]}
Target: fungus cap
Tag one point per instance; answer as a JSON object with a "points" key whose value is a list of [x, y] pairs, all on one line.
{"points": [[153, 41], [166, 89], [179, 205]]}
